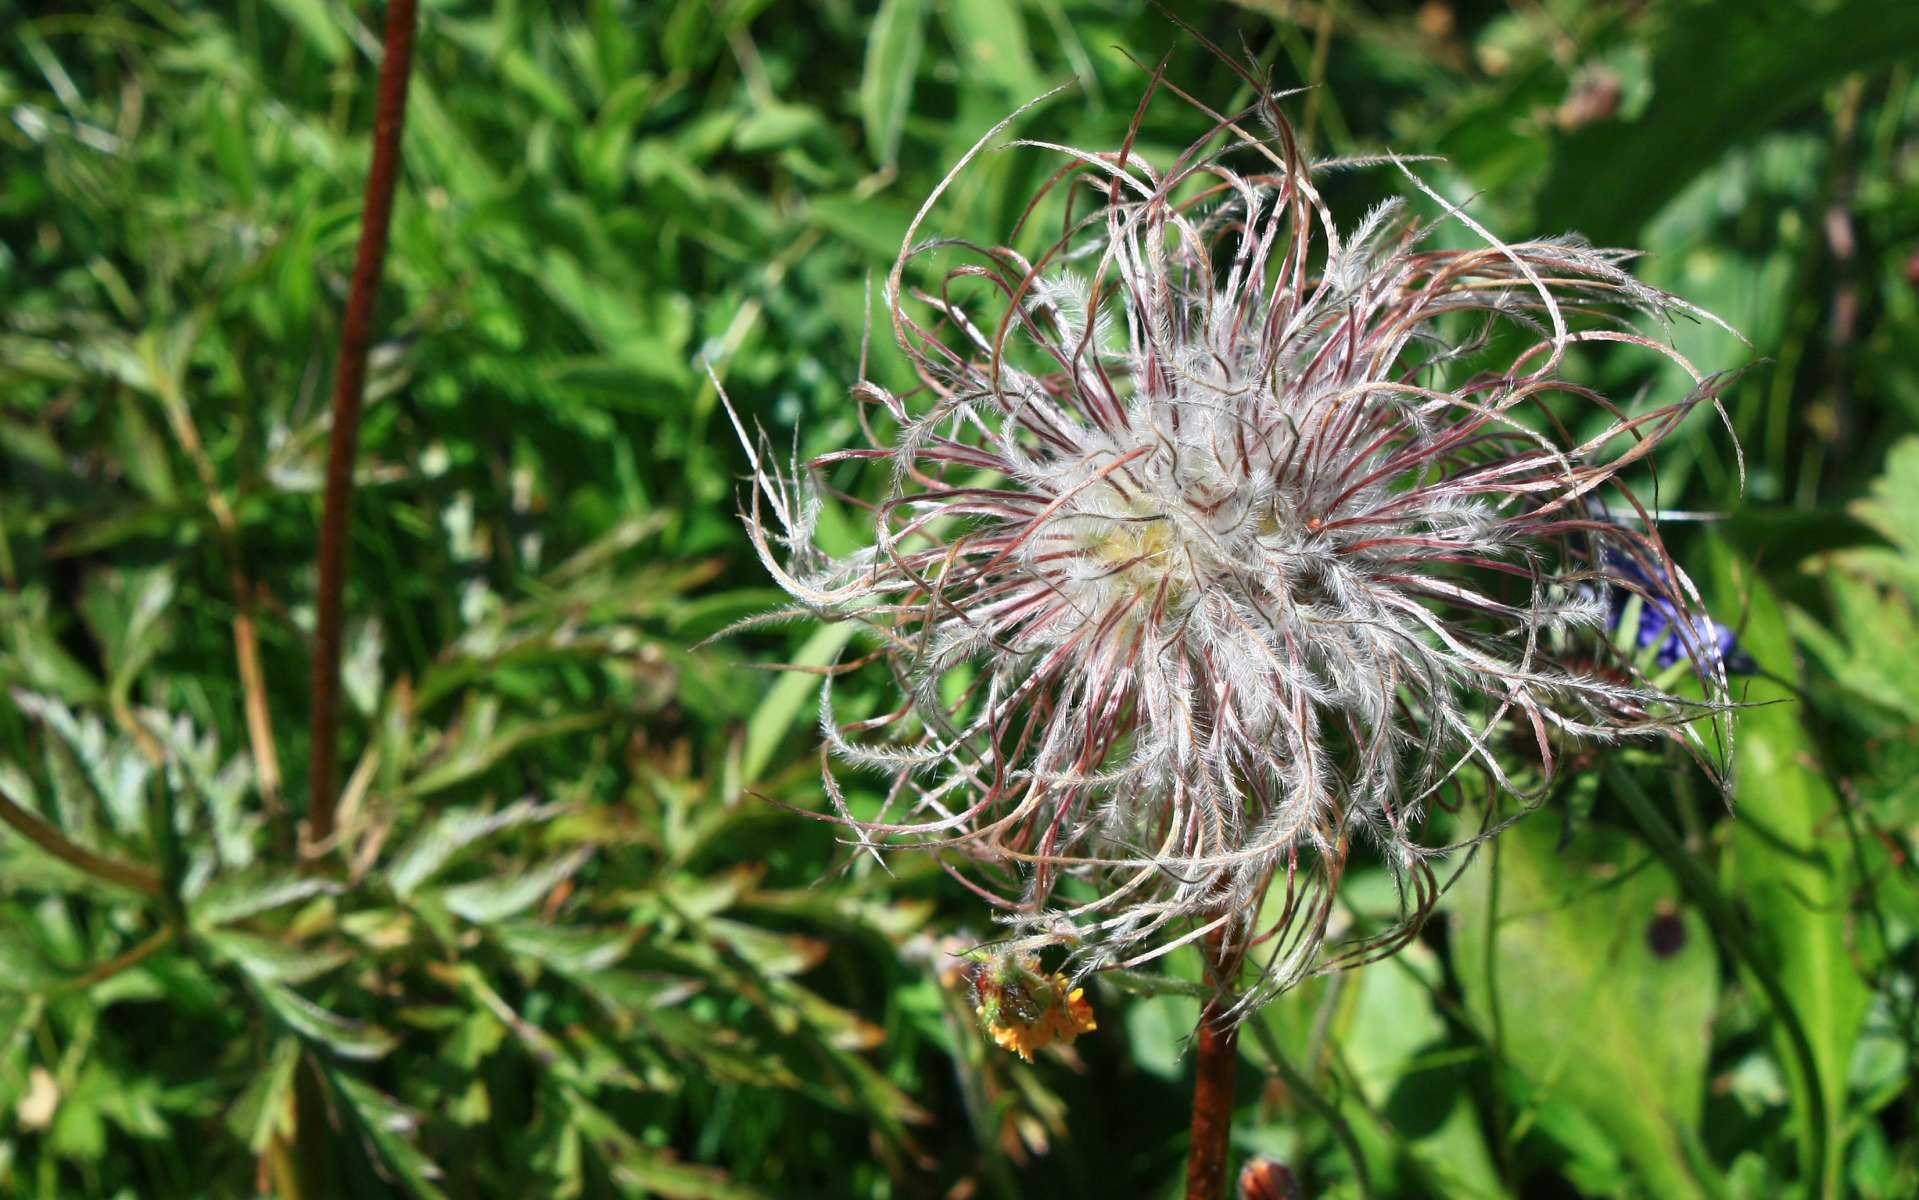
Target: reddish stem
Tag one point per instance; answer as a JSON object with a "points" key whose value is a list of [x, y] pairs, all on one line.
{"points": [[1218, 1046], [349, 388]]}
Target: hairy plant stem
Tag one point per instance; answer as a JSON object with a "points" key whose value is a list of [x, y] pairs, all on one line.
{"points": [[309, 1145], [1217, 1039], [349, 388]]}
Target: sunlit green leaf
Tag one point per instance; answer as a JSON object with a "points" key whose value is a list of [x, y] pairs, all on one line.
{"points": [[245, 894], [789, 696], [273, 960], [316, 25], [453, 831], [486, 901], [1594, 983], [1790, 856]]}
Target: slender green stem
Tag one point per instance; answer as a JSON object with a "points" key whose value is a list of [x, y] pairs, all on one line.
{"points": [[1300, 1085], [101, 972]]}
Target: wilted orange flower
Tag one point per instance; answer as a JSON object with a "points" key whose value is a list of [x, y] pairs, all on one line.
{"points": [[1026, 1010]]}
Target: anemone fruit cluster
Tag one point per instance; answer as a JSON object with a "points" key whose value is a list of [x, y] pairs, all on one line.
{"points": [[1217, 536]]}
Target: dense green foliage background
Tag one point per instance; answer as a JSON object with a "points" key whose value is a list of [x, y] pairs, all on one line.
{"points": [[560, 948]]}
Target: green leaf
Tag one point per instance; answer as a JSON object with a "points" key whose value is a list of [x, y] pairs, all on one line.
{"points": [[24, 966], [1559, 969], [775, 954], [1892, 508], [990, 36], [34, 657], [1873, 648], [886, 83], [1392, 1029], [1790, 857], [648, 337], [389, 1126], [347, 1038], [486, 901], [776, 126], [643, 1172], [263, 1109], [315, 23], [451, 832], [789, 698], [249, 893], [480, 753], [124, 610], [269, 959], [567, 949], [360, 667], [877, 228], [1723, 71], [656, 1002], [144, 451]]}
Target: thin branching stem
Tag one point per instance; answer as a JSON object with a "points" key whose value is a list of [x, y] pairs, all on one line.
{"points": [[1301, 1086]]}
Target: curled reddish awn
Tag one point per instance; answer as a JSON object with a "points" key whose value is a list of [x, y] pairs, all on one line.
{"points": [[1220, 534]]}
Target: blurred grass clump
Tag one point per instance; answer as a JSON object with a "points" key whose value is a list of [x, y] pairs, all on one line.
{"points": [[557, 947]]}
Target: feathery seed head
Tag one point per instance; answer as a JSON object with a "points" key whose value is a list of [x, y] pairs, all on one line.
{"points": [[1221, 534]]}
